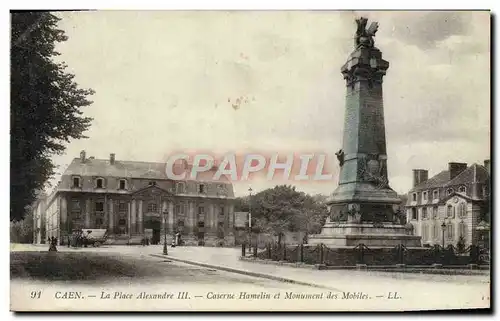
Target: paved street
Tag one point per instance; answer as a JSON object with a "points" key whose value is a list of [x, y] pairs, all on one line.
{"points": [[157, 275]]}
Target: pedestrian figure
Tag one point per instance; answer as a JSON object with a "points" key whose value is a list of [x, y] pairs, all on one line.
{"points": [[53, 243]]}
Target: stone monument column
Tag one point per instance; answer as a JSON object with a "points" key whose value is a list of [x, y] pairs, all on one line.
{"points": [[363, 194], [363, 208]]}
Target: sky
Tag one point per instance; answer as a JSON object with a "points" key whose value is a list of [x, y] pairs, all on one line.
{"points": [[168, 81]]}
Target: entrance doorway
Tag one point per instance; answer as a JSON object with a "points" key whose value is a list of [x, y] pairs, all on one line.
{"points": [[156, 236], [155, 227], [201, 238]]}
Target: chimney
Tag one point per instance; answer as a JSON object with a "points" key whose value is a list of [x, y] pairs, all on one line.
{"points": [[456, 168], [420, 176], [112, 159], [82, 156], [487, 165]]}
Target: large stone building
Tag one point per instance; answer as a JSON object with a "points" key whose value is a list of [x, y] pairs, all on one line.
{"points": [[133, 200], [450, 204]]}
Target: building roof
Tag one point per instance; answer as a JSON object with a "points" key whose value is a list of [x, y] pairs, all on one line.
{"points": [[435, 181], [129, 169], [473, 173]]}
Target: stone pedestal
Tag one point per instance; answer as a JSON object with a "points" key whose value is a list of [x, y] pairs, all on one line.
{"points": [[352, 234]]}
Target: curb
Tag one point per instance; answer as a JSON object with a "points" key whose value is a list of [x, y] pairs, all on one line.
{"points": [[363, 267], [244, 272]]}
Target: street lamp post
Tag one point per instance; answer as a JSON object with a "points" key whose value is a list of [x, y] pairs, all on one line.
{"points": [[443, 228], [165, 249], [250, 220]]}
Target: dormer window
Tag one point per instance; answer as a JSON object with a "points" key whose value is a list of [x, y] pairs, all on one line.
{"points": [[414, 197], [201, 188], [462, 189], [152, 183], [99, 183], [424, 196], [435, 195], [76, 182], [123, 184], [181, 188], [449, 191]]}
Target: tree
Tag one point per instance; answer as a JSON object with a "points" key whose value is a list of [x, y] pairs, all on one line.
{"points": [[461, 244], [22, 231], [45, 103], [282, 208]]}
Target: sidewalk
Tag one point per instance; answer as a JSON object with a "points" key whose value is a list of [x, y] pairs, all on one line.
{"points": [[462, 288]]}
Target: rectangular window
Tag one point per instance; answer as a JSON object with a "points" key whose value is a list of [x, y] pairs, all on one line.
{"points": [[221, 210], [76, 182], [450, 231], [99, 206], [424, 233], [201, 224], [424, 196], [122, 207], [414, 214], [424, 213], [201, 210], [99, 183], [449, 211], [122, 184], [435, 212], [75, 205], [152, 207], [462, 210], [201, 188], [435, 231], [177, 209]]}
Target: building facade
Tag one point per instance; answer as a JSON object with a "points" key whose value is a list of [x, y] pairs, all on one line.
{"points": [[136, 200], [449, 205], [39, 226]]}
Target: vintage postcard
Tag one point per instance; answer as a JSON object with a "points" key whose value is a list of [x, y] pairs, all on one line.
{"points": [[250, 160]]}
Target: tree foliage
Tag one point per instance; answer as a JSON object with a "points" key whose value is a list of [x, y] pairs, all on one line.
{"points": [[282, 208], [22, 231], [45, 103]]}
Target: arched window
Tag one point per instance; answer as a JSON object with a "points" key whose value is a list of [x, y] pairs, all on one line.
{"points": [[449, 191]]}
